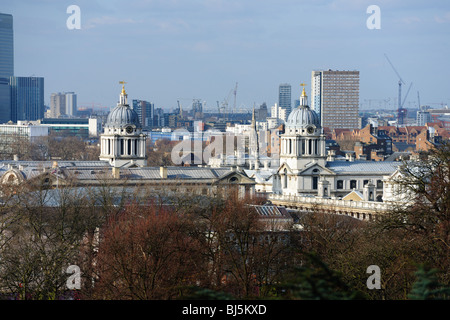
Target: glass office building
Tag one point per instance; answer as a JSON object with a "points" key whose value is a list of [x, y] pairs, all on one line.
{"points": [[27, 98], [6, 46], [5, 100], [284, 97]]}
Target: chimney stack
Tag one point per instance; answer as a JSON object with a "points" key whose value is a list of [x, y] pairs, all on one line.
{"points": [[163, 172], [116, 173]]}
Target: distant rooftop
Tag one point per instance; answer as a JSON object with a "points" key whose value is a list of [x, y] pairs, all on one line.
{"points": [[341, 166]]}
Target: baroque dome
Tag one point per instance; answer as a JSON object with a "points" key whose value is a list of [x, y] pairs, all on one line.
{"points": [[302, 117], [123, 115]]}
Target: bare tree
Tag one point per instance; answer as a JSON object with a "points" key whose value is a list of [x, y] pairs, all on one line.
{"points": [[145, 253], [45, 239], [425, 217]]}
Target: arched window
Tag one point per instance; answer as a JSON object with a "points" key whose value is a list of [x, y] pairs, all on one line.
{"points": [[234, 180], [285, 179]]}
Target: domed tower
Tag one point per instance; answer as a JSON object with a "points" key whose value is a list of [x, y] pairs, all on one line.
{"points": [[302, 154], [123, 142], [303, 141]]}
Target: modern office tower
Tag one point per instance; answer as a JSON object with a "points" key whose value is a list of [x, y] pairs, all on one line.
{"points": [[145, 111], [5, 100], [57, 105], [71, 104], [261, 113], [284, 97], [27, 98], [6, 46], [335, 98], [158, 118]]}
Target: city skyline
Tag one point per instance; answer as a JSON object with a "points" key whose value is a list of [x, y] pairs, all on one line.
{"points": [[185, 50]]}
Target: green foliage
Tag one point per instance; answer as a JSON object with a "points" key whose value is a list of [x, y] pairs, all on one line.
{"points": [[315, 281], [427, 286]]}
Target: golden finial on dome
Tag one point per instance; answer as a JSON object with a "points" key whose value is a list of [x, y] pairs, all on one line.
{"points": [[123, 94], [303, 91], [123, 87]]}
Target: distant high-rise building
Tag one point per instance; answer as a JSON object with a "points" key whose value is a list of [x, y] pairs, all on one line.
{"points": [[284, 97], [145, 111], [5, 100], [423, 116], [197, 109], [278, 113], [335, 98], [71, 104], [158, 118], [27, 98], [57, 105], [6, 46], [261, 113]]}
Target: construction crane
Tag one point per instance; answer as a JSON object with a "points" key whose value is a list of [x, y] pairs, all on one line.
{"points": [[401, 112], [225, 103], [234, 92], [418, 98], [180, 108]]}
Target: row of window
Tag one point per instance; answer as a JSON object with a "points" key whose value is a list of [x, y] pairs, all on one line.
{"points": [[339, 183], [353, 183]]}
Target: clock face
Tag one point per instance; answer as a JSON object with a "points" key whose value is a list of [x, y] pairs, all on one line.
{"points": [[129, 129], [310, 130]]}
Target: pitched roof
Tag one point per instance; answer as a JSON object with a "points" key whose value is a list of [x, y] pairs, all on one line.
{"points": [[366, 167]]}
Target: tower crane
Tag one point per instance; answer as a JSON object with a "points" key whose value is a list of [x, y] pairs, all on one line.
{"points": [[401, 112], [418, 98], [234, 92], [180, 109], [225, 103]]}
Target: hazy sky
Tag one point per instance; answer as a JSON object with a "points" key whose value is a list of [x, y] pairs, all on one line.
{"points": [[169, 50]]}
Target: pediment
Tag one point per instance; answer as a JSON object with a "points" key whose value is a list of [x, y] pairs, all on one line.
{"points": [[397, 174], [283, 167], [316, 169], [234, 177], [12, 176]]}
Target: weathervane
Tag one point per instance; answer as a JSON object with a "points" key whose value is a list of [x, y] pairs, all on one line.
{"points": [[303, 91], [123, 86]]}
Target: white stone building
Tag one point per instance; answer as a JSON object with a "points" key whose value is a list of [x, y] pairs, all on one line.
{"points": [[123, 142], [305, 169]]}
